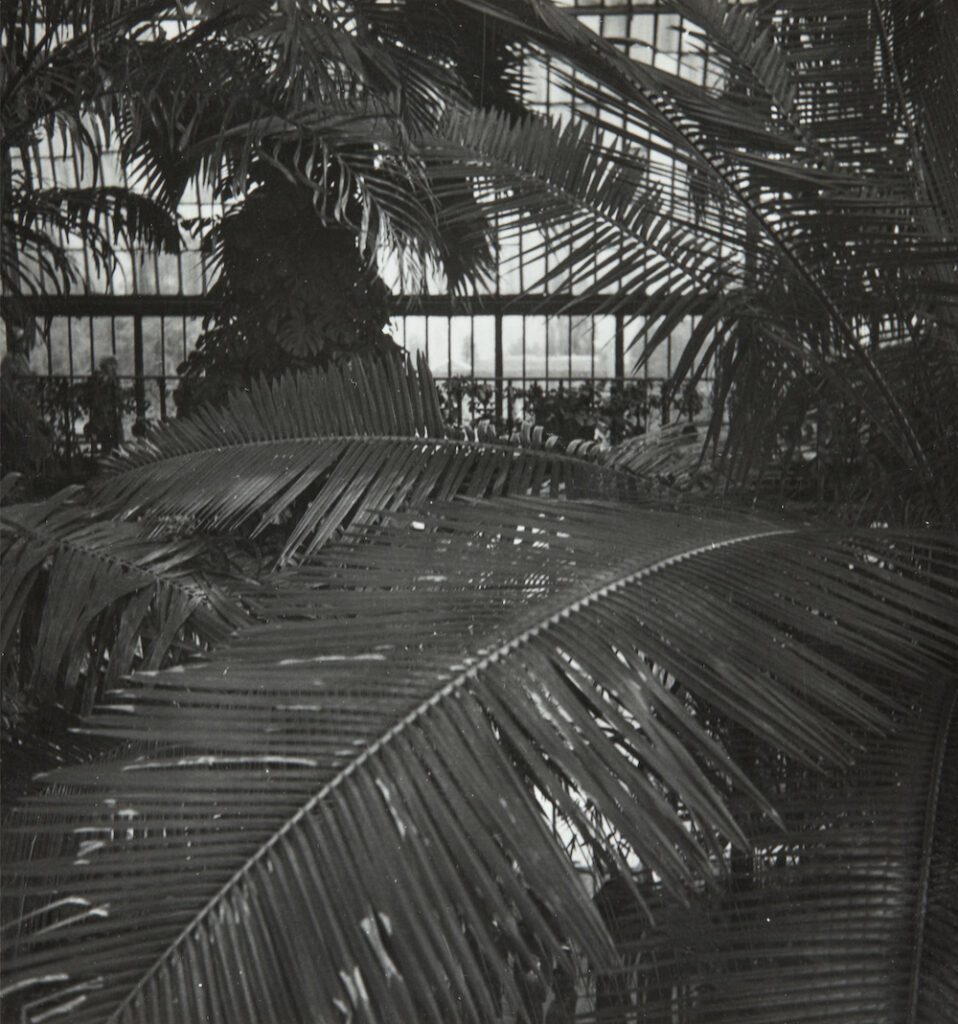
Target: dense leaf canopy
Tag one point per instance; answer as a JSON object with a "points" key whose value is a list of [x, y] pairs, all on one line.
{"points": [[342, 809], [389, 724]]}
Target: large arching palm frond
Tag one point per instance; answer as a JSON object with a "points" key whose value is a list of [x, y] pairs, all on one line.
{"points": [[341, 812], [823, 145], [318, 452], [86, 599], [527, 170], [291, 464]]}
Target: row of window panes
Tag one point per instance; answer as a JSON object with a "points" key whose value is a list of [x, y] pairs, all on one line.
{"points": [[533, 347], [77, 346], [142, 272]]}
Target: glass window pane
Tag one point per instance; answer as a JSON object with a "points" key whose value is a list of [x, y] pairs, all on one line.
{"points": [[437, 333], [484, 342], [603, 346]]}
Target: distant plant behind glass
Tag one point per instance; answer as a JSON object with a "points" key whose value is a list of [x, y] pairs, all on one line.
{"points": [[589, 411]]}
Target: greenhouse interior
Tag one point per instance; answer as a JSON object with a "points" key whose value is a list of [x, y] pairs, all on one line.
{"points": [[479, 511]]}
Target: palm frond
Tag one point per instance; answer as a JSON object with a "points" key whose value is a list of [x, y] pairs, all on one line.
{"points": [[844, 915], [342, 811], [101, 218], [86, 599], [671, 453], [530, 171], [323, 451], [737, 32], [829, 242]]}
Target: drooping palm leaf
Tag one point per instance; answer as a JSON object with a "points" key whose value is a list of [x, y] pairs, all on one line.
{"points": [[100, 218], [341, 812], [600, 204], [87, 598], [321, 451]]}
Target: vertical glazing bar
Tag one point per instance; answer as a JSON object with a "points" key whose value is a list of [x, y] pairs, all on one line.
{"points": [[524, 372], [619, 346], [571, 338], [161, 369], [69, 412], [498, 366], [139, 383]]}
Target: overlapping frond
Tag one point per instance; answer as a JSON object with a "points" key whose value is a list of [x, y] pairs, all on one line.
{"points": [[318, 452], [341, 812], [528, 171], [844, 915], [809, 169], [100, 219], [86, 599]]}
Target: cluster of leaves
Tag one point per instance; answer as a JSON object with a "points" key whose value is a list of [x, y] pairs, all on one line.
{"points": [[40, 417], [815, 225], [293, 292], [225, 94], [26, 445], [592, 411], [806, 219], [400, 648], [613, 414]]}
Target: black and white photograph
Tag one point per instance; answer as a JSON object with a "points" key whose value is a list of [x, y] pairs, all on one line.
{"points": [[479, 512]]}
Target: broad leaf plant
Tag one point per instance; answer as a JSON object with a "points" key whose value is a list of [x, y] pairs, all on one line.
{"points": [[383, 718], [348, 718]]}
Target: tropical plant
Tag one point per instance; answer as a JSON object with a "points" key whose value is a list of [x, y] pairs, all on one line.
{"points": [[293, 293], [809, 224], [801, 205], [60, 64], [474, 754], [334, 98], [342, 811]]}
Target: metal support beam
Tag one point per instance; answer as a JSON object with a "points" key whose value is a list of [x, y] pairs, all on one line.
{"points": [[399, 305], [139, 384], [498, 368], [619, 345]]}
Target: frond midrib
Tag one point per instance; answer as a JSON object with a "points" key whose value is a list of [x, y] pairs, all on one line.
{"points": [[449, 687], [311, 439]]}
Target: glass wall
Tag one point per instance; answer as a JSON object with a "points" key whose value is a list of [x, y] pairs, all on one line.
{"points": [[527, 327]]}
